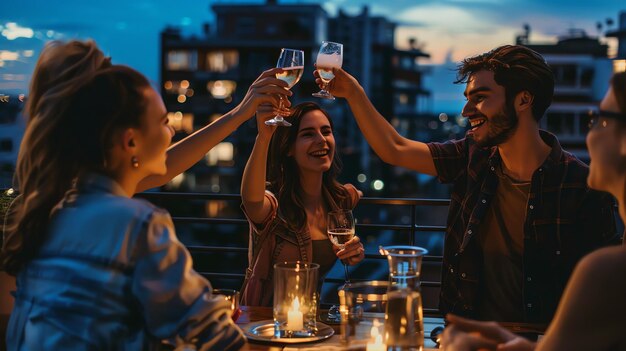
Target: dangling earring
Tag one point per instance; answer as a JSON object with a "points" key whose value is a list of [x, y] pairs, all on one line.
{"points": [[134, 162]]}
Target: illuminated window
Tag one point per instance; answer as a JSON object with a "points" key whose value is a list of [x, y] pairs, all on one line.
{"points": [[215, 207], [221, 89], [182, 60], [181, 121], [222, 61], [403, 99], [619, 66], [180, 88], [172, 87], [222, 154]]}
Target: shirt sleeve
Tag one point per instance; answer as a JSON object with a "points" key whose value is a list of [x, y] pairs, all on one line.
{"points": [[450, 159], [259, 228], [175, 300]]}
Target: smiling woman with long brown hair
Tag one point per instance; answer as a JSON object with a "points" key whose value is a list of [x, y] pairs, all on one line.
{"points": [[288, 217]]}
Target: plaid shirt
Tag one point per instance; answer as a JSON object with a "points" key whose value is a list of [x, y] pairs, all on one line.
{"points": [[565, 220]]}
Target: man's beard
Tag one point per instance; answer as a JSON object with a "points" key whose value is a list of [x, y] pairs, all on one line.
{"points": [[500, 127]]}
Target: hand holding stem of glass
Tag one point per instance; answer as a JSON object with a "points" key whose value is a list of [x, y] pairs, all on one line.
{"points": [[292, 63], [330, 56], [340, 228]]}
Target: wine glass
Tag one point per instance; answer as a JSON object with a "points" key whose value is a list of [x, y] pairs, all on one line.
{"points": [[292, 63], [330, 56], [340, 228]]}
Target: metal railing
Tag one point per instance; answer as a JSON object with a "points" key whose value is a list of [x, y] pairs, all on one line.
{"points": [[411, 229]]}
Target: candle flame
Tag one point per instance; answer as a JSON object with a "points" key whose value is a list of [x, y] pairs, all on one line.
{"points": [[295, 306], [374, 333]]}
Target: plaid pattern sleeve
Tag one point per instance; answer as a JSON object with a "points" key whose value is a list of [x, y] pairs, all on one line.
{"points": [[450, 159]]}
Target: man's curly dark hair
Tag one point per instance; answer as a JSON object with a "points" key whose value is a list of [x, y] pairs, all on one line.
{"points": [[516, 68]]}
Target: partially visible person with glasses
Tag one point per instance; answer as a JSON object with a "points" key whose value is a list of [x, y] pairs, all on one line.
{"points": [[591, 313]]}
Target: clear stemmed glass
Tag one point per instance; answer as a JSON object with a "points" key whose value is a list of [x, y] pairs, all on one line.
{"points": [[330, 56], [292, 63], [340, 226]]}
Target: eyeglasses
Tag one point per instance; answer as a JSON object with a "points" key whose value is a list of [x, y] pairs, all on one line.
{"points": [[594, 117]]}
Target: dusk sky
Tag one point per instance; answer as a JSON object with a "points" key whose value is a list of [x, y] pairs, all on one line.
{"points": [[129, 30]]}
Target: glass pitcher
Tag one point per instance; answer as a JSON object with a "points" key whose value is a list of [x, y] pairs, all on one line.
{"points": [[404, 325]]}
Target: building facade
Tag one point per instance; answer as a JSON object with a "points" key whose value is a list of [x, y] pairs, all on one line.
{"points": [[202, 77], [582, 69]]}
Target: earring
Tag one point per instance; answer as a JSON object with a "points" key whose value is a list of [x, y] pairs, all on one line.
{"points": [[134, 162]]}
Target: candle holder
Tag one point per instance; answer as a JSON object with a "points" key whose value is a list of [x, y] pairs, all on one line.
{"points": [[295, 299]]}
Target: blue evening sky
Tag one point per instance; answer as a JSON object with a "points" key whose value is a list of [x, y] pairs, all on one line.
{"points": [[129, 30]]}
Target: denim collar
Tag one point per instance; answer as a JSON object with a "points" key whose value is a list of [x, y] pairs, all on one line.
{"points": [[99, 183]]}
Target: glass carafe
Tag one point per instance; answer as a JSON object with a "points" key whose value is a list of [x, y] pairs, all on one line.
{"points": [[404, 325]]}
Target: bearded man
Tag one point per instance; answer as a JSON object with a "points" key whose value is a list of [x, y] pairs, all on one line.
{"points": [[521, 214]]}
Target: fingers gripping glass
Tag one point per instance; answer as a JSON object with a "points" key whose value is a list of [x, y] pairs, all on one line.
{"points": [[330, 56], [292, 63], [340, 228], [594, 117]]}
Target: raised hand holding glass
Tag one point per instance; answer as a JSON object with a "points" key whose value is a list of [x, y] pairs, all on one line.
{"points": [[292, 63], [330, 56]]}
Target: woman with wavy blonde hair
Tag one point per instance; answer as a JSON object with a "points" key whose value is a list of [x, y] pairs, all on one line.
{"points": [[60, 70], [96, 269]]}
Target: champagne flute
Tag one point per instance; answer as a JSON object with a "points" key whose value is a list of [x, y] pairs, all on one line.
{"points": [[340, 228], [330, 56], [292, 63]]}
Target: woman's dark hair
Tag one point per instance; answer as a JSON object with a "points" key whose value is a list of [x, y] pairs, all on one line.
{"points": [[283, 175], [69, 135], [516, 68]]}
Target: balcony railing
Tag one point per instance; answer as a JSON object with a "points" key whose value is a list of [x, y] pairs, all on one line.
{"points": [[410, 232]]}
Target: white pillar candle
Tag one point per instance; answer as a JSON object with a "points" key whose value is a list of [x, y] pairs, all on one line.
{"points": [[294, 317]]}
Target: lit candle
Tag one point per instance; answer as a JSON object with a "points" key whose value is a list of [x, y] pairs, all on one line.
{"points": [[294, 317], [377, 345]]}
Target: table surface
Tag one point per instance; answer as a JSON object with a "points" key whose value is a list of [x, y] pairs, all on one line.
{"points": [[255, 314]]}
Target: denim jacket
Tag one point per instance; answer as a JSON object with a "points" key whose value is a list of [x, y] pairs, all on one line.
{"points": [[111, 275]]}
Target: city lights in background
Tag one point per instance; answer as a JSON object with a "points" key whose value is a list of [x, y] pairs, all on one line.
{"points": [[221, 89], [12, 31], [181, 121], [378, 185], [222, 154]]}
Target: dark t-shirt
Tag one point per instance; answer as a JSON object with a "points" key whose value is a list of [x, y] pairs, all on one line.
{"points": [[501, 238]]}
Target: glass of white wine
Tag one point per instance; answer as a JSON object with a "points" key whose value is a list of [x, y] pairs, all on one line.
{"points": [[330, 56], [292, 63], [340, 226]]}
